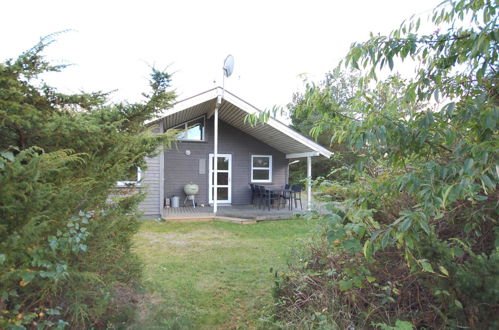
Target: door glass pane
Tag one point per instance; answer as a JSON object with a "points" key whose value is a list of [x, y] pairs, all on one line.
{"points": [[223, 163], [261, 174], [223, 194], [223, 179], [261, 161]]}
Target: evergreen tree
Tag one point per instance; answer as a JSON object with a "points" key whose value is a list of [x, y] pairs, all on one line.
{"points": [[64, 243]]}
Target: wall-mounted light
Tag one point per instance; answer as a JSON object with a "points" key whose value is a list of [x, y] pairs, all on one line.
{"points": [[188, 152]]}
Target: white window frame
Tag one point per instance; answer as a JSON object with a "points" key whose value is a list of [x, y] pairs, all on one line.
{"points": [[131, 183], [186, 125], [262, 168]]}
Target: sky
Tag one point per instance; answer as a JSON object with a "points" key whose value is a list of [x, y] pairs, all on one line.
{"points": [[111, 45]]}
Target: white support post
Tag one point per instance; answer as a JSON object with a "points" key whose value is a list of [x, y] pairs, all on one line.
{"points": [[161, 174], [215, 161], [309, 183]]}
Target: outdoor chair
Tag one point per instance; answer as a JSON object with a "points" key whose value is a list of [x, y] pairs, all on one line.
{"points": [[269, 197], [253, 193], [286, 196], [296, 190], [259, 195], [256, 196]]}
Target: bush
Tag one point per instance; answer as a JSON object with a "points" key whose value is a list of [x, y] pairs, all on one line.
{"points": [[65, 245], [411, 229]]}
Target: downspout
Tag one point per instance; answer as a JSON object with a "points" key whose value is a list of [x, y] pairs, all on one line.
{"points": [[215, 156]]}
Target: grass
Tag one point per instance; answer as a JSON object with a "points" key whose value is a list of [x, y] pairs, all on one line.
{"points": [[211, 275]]}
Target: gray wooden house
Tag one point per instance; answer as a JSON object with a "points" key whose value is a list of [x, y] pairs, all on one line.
{"points": [[245, 154]]}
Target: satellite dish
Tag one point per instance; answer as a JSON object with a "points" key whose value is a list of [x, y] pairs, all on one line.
{"points": [[228, 65]]}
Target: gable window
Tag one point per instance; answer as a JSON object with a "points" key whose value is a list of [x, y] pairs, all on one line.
{"points": [[131, 177], [193, 130], [261, 168]]}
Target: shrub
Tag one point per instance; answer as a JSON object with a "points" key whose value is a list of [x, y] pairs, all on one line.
{"points": [[65, 256], [411, 229]]}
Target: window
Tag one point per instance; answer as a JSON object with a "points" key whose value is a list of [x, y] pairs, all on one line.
{"points": [[192, 130], [261, 168], [132, 177]]}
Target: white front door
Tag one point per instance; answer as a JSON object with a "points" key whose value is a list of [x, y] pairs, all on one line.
{"points": [[224, 177]]}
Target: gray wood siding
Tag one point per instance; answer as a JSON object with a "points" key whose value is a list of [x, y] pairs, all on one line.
{"points": [[181, 168], [151, 181]]}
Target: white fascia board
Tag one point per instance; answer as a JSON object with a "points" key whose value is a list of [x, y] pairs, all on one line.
{"points": [[277, 125], [187, 103], [302, 154]]}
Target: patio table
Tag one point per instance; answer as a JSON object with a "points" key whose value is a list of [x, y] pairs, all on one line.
{"points": [[281, 192]]}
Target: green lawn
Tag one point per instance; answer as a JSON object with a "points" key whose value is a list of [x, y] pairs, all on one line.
{"points": [[211, 275]]}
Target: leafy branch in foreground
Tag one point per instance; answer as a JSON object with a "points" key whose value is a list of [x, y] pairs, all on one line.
{"points": [[412, 233]]}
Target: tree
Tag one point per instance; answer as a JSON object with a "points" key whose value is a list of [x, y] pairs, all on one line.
{"points": [[65, 253], [415, 235], [334, 92]]}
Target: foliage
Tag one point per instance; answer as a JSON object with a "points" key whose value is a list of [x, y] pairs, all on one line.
{"points": [[412, 229], [334, 92], [65, 254]]}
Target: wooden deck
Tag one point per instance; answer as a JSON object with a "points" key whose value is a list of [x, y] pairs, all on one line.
{"points": [[243, 214]]}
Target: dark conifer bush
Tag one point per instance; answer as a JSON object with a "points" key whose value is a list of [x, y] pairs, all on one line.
{"points": [[65, 244]]}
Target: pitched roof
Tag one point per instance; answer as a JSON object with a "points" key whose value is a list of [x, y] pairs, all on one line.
{"points": [[233, 110]]}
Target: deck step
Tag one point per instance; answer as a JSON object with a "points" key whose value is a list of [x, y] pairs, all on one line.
{"points": [[211, 218]]}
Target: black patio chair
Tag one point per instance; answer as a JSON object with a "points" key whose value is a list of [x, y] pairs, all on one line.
{"points": [[296, 190], [253, 193], [285, 196], [269, 197], [259, 195]]}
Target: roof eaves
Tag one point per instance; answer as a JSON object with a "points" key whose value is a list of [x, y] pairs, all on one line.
{"points": [[245, 106], [248, 108]]}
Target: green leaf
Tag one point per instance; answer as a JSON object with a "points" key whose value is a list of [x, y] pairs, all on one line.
{"points": [[345, 285], [352, 245], [443, 270], [457, 252], [3, 257], [404, 226], [468, 164], [449, 108], [403, 325], [376, 234], [424, 226], [446, 194], [7, 155], [486, 180], [386, 238], [426, 266], [368, 250], [28, 277], [458, 304]]}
